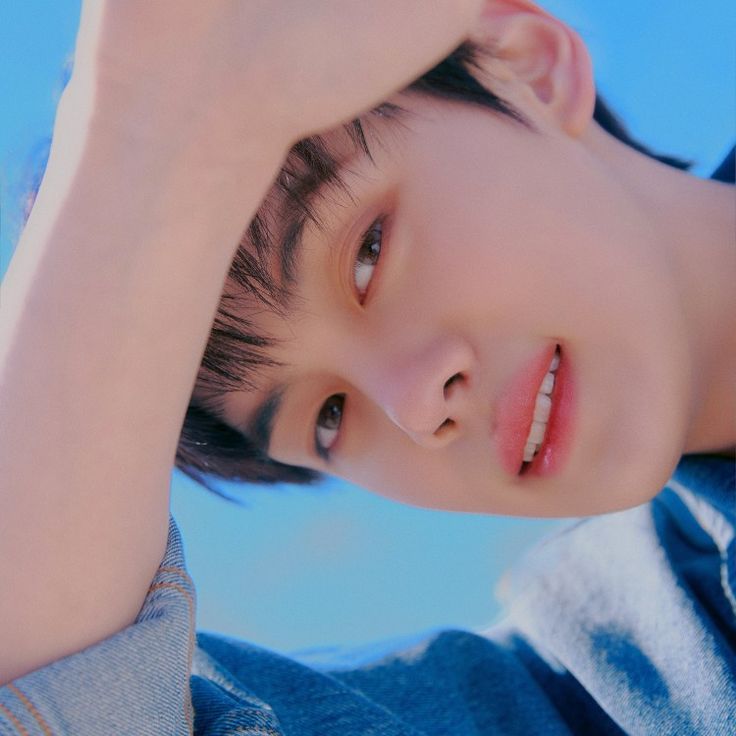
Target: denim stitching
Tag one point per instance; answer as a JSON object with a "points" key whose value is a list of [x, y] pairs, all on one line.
{"points": [[178, 587], [188, 706], [177, 570], [31, 709], [14, 721]]}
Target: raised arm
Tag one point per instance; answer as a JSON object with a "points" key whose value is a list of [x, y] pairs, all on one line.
{"points": [[166, 139]]}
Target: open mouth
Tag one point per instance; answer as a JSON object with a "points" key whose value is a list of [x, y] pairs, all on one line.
{"points": [[541, 419], [534, 416]]}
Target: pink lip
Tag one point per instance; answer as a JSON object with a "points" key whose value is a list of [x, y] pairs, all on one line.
{"points": [[515, 412]]}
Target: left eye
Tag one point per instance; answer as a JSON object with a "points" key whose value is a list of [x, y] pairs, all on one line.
{"points": [[367, 258]]}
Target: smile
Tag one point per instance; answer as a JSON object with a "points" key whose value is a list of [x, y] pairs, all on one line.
{"points": [[532, 421], [542, 409]]}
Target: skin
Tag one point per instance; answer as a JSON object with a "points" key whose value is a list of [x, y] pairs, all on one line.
{"points": [[500, 241]]}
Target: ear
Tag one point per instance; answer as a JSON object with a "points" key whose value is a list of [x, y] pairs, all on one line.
{"points": [[543, 54]]}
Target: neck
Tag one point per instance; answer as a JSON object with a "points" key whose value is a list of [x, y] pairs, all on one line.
{"points": [[695, 220]]}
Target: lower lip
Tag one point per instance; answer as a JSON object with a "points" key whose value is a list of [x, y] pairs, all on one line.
{"points": [[558, 438]]}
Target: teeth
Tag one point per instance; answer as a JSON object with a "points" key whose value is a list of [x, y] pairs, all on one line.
{"points": [[529, 449], [547, 384], [542, 409], [536, 433]]}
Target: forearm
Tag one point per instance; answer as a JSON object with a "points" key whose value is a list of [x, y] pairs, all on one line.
{"points": [[106, 308]]}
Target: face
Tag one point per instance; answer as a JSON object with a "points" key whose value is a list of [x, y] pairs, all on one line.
{"points": [[429, 307]]}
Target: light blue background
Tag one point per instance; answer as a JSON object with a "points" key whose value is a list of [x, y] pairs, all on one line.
{"points": [[336, 565]]}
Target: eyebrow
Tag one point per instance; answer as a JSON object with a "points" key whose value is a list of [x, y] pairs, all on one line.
{"points": [[260, 425], [301, 212], [290, 247], [311, 168]]}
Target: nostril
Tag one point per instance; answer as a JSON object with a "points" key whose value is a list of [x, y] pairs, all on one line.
{"points": [[447, 424], [452, 379]]}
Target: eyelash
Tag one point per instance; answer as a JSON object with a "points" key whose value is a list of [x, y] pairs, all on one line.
{"points": [[331, 412]]}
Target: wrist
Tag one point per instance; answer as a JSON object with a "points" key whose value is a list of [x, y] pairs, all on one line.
{"points": [[169, 140]]}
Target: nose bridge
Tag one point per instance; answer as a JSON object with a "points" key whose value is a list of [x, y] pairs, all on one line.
{"points": [[412, 381]]}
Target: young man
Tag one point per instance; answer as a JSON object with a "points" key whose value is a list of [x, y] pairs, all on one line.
{"points": [[402, 349], [403, 295]]}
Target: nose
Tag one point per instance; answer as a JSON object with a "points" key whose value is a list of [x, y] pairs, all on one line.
{"points": [[424, 389]]}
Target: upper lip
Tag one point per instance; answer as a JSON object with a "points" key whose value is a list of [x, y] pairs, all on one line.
{"points": [[515, 409]]}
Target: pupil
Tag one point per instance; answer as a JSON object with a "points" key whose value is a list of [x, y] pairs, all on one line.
{"points": [[371, 247], [331, 413]]}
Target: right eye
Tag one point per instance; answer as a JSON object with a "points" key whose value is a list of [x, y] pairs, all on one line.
{"points": [[327, 426]]}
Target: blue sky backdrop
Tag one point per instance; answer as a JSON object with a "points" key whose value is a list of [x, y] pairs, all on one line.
{"points": [[298, 568]]}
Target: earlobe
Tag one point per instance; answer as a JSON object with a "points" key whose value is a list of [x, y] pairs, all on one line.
{"points": [[543, 54]]}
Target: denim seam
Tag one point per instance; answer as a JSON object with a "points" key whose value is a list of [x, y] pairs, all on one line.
{"points": [[176, 586], [13, 721], [175, 554], [188, 705], [176, 570], [31, 709]]}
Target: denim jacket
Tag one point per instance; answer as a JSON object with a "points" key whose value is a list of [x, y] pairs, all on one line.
{"points": [[623, 623]]}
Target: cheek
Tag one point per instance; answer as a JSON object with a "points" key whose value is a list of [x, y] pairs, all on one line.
{"points": [[381, 458], [534, 236], [412, 475], [547, 245]]}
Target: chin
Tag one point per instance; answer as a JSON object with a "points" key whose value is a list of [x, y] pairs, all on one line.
{"points": [[643, 475]]}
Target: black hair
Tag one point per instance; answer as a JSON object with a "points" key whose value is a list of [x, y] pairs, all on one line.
{"points": [[209, 448]]}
